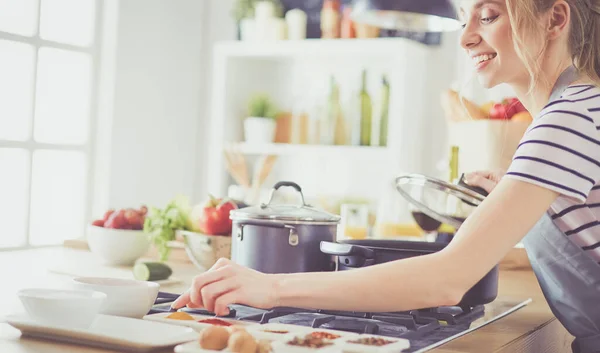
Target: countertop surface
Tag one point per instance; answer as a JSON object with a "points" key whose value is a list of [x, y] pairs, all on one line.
{"points": [[530, 329]]}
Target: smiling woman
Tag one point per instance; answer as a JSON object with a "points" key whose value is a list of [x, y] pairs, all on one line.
{"points": [[547, 51]]}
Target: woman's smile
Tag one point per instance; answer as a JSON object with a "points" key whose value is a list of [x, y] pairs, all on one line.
{"points": [[481, 61]]}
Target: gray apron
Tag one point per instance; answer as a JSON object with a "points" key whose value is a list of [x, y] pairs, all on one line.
{"points": [[569, 278]]}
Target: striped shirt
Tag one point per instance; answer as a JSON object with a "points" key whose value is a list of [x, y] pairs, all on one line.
{"points": [[561, 151]]}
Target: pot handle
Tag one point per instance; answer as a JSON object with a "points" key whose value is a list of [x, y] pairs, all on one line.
{"points": [[287, 183], [293, 239], [281, 184], [258, 223], [339, 249]]}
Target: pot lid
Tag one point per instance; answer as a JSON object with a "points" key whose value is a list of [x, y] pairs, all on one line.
{"points": [[294, 213], [445, 202]]}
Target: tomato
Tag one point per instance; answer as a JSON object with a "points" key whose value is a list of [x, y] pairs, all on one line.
{"points": [[498, 112]]}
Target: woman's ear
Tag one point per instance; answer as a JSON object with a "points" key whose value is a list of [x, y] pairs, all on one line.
{"points": [[560, 17]]}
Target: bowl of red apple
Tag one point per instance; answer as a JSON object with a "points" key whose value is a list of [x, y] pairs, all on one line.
{"points": [[118, 238]]}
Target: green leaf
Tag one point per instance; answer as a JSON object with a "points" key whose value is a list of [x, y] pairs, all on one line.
{"points": [[160, 224]]}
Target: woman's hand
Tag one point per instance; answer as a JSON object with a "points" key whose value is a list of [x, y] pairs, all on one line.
{"points": [[229, 283], [484, 179]]}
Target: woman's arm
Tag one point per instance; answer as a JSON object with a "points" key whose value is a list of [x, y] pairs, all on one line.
{"points": [[500, 222]]}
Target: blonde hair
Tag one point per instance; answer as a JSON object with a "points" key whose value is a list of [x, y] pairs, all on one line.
{"points": [[584, 35]]}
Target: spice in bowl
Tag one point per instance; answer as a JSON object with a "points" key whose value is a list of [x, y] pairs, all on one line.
{"points": [[372, 341], [179, 315], [309, 342], [216, 322], [324, 335]]}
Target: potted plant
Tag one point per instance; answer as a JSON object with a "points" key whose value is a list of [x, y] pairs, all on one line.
{"points": [[243, 14], [259, 126]]}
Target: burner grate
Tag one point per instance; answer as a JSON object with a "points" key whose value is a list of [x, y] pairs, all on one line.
{"points": [[451, 315]]}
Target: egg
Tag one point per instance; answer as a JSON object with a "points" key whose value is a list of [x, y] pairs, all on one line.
{"points": [[241, 342], [236, 328], [214, 337], [264, 346]]}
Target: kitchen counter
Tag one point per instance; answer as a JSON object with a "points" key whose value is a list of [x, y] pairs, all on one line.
{"points": [[530, 329]]}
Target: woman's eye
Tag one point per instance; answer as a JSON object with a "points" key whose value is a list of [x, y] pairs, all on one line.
{"points": [[488, 20]]}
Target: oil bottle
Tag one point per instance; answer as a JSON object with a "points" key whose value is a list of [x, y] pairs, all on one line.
{"points": [[366, 111]]}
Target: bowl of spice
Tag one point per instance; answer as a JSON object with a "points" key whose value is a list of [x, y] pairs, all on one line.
{"points": [[305, 344], [277, 332], [373, 343]]}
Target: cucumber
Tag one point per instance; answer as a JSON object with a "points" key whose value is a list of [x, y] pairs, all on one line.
{"points": [[151, 271]]}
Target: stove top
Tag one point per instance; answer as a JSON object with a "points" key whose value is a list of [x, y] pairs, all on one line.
{"points": [[425, 329]]}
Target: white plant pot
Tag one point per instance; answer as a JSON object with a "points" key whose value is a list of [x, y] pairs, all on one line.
{"points": [[248, 29], [259, 130]]}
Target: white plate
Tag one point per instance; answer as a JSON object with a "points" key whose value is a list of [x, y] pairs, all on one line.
{"points": [[111, 332], [398, 344], [198, 326], [194, 347]]}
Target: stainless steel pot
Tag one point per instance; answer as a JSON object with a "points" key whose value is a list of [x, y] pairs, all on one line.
{"points": [[283, 238]]}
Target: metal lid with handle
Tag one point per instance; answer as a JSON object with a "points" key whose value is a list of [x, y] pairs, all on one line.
{"points": [[289, 213], [446, 202]]}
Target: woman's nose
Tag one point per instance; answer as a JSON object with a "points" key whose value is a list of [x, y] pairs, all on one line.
{"points": [[469, 38]]}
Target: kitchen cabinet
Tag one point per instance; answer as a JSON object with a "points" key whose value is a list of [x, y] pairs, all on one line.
{"points": [[297, 73]]}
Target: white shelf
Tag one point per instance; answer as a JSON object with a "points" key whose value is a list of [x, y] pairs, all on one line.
{"points": [[281, 149], [318, 47]]}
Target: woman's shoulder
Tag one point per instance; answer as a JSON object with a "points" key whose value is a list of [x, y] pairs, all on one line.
{"points": [[579, 105]]}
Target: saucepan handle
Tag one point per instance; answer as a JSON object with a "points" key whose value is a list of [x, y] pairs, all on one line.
{"points": [[339, 249], [477, 189], [287, 183], [259, 223], [281, 184]]}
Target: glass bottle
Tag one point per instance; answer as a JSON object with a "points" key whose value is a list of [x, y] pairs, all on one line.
{"points": [[366, 111], [453, 177], [385, 102]]}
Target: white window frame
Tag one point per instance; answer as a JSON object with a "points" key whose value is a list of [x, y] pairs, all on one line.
{"points": [[93, 50]]}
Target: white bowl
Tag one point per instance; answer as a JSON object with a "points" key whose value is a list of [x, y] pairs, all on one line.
{"points": [[117, 246], [128, 298], [67, 308]]}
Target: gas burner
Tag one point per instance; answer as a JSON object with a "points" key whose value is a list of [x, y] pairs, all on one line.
{"points": [[359, 314], [424, 328], [451, 315]]}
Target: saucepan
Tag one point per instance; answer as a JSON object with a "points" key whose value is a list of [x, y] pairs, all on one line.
{"points": [[283, 238], [361, 253], [438, 200]]}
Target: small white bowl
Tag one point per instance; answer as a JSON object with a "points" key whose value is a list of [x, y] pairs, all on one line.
{"points": [[66, 308], [277, 332], [117, 246], [396, 344], [128, 298]]}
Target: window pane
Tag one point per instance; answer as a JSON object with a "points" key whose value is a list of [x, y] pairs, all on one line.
{"points": [[68, 21], [16, 88], [62, 97], [18, 16], [57, 196], [14, 189]]}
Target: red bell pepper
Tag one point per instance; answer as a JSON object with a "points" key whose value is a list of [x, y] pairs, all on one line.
{"points": [[215, 216]]}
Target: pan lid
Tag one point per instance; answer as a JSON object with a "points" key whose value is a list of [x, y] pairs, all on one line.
{"points": [[445, 202], [289, 213]]}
